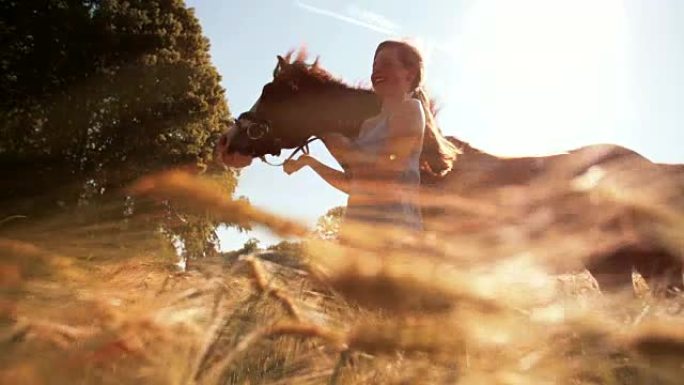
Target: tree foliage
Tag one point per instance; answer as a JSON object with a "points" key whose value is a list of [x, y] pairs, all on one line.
{"points": [[328, 225], [97, 93]]}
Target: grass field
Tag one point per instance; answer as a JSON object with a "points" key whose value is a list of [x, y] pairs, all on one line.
{"points": [[499, 299]]}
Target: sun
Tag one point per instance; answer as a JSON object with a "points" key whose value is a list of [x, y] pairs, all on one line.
{"points": [[541, 76]]}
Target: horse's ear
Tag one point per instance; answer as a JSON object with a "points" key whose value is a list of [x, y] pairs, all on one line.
{"points": [[281, 61], [280, 66], [316, 62]]}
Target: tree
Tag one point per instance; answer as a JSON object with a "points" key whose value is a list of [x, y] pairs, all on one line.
{"points": [[97, 93], [328, 225], [250, 246], [288, 247]]}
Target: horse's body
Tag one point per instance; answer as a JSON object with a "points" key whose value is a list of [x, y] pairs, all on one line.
{"points": [[305, 101]]}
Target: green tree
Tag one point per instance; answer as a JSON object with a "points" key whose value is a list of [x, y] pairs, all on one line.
{"points": [[328, 225], [287, 247], [97, 93], [250, 246]]}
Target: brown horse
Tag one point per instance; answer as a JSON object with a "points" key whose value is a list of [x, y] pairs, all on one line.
{"points": [[304, 101]]}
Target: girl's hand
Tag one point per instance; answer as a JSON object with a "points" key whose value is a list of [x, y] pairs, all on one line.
{"points": [[293, 165]]}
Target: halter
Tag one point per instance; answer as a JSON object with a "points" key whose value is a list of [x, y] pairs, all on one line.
{"points": [[304, 148], [257, 128]]}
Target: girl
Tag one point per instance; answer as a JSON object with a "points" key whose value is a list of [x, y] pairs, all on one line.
{"points": [[385, 160]]}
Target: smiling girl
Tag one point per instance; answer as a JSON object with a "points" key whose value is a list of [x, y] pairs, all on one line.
{"points": [[385, 160]]}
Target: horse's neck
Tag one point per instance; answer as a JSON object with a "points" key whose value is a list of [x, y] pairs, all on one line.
{"points": [[350, 110]]}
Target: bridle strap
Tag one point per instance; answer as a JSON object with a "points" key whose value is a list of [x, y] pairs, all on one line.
{"points": [[304, 148]]}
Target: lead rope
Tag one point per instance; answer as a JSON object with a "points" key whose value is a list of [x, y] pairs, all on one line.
{"points": [[304, 148]]}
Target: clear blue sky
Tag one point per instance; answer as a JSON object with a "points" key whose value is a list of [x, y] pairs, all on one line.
{"points": [[513, 77]]}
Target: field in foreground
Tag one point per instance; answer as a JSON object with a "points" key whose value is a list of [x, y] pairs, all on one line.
{"points": [[472, 307]]}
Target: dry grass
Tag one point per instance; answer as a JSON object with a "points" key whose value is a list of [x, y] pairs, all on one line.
{"points": [[480, 302]]}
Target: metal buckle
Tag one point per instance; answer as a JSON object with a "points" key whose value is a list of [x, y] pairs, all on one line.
{"points": [[256, 131]]}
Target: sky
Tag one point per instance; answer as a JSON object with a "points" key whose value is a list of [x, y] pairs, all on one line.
{"points": [[523, 77]]}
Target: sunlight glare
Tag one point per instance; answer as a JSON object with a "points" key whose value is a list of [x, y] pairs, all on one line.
{"points": [[543, 75]]}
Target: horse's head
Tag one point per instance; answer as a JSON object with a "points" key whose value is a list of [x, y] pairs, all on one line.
{"points": [[303, 100]]}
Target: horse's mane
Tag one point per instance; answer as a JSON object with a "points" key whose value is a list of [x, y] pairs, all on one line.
{"points": [[299, 68]]}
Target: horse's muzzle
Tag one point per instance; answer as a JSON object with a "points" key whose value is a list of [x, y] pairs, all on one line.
{"points": [[224, 156]]}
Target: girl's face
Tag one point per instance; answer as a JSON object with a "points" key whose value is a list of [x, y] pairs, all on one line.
{"points": [[390, 77]]}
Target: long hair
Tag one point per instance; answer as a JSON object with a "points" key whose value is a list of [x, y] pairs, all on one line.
{"points": [[438, 154]]}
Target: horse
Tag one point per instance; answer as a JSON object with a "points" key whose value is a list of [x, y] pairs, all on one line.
{"points": [[304, 100]]}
